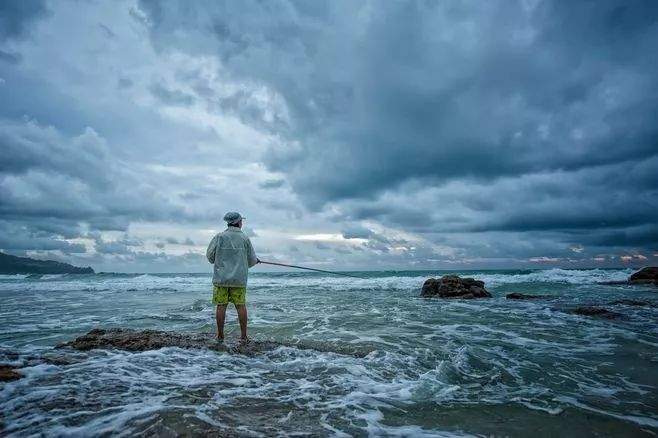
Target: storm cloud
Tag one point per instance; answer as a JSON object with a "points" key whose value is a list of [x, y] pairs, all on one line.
{"points": [[369, 134], [536, 115], [16, 17], [379, 94]]}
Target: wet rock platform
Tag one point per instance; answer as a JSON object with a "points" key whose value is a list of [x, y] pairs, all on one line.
{"points": [[143, 340]]}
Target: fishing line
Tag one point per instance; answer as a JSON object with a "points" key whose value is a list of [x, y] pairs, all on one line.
{"points": [[310, 269]]}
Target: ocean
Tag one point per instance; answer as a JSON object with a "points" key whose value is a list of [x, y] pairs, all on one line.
{"points": [[426, 367]]}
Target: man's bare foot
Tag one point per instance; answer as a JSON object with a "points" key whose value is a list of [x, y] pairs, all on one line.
{"points": [[220, 338], [245, 340]]}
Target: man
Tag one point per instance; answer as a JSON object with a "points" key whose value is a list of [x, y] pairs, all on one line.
{"points": [[232, 255]]}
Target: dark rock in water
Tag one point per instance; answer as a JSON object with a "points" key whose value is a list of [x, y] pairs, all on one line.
{"points": [[142, 340], [136, 340], [9, 373], [632, 303], [595, 311], [647, 275], [452, 286], [520, 296]]}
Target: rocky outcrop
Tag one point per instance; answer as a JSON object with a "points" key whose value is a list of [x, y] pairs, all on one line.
{"points": [[9, 373], [595, 311], [453, 286], [647, 275], [520, 296], [142, 340], [10, 264]]}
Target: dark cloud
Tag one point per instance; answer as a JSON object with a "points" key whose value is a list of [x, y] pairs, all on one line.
{"points": [[55, 187], [389, 100], [438, 91], [17, 239], [438, 132], [645, 236], [17, 16]]}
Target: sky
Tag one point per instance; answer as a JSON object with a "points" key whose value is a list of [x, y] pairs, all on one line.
{"points": [[350, 134]]}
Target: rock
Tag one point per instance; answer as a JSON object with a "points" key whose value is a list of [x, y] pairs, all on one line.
{"points": [[9, 373], [647, 275], [142, 340], [136, 340], [430, 287], [632, 303], [520, 296], [595, 311], [452, 286]]}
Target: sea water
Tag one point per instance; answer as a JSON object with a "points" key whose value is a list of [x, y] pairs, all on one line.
{"points": [[430, 367]]}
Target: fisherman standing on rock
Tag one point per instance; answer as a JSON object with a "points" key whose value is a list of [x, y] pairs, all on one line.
{"points": [[232, 255]]}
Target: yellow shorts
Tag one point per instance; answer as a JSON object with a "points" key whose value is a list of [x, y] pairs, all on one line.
{"points": [[222, 295]]}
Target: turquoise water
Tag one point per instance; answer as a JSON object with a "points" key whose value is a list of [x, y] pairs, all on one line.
{"points": [[435, 367]]}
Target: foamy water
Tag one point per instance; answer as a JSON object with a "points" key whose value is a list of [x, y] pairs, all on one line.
{"points": [[435, 367]]}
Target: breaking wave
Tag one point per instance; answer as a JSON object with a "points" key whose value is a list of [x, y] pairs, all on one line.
{"points": [[424, 368]]}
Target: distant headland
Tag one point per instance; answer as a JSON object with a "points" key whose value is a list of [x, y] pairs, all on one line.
{"points": [[10, 264]]}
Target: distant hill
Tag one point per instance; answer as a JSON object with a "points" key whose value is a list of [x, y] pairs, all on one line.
{"points": [[10, 264]]}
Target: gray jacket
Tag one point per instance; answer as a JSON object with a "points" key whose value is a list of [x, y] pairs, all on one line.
{"points": [[232, 255]]}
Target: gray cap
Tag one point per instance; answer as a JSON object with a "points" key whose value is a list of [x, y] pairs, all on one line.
{"points": [[232, 217]]}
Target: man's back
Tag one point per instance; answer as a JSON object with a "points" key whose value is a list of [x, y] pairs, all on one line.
{"points": [[231, 254]]}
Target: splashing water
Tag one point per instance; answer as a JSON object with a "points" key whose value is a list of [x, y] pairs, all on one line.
{"points": [[435, 367]]}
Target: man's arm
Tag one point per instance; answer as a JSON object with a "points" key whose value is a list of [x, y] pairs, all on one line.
{"points": [[251, 254], [212, 248]]}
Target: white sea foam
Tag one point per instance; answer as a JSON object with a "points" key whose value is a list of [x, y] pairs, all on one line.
{"points": [[46, 277], [385, 281], [424, 354], [373, 284], [13, 276], [568, 276]]}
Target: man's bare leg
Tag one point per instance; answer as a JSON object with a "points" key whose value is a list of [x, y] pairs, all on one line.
{"points": [[242, 317], [221, 316]]}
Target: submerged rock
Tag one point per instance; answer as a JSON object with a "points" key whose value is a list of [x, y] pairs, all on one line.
{"points": [[142, 340], [648, 275], [453, 286], [9, 373], [520, 296], [595, 311]]}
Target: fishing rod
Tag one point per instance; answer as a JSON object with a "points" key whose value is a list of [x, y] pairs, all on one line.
{"points": [[310, 269]]}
